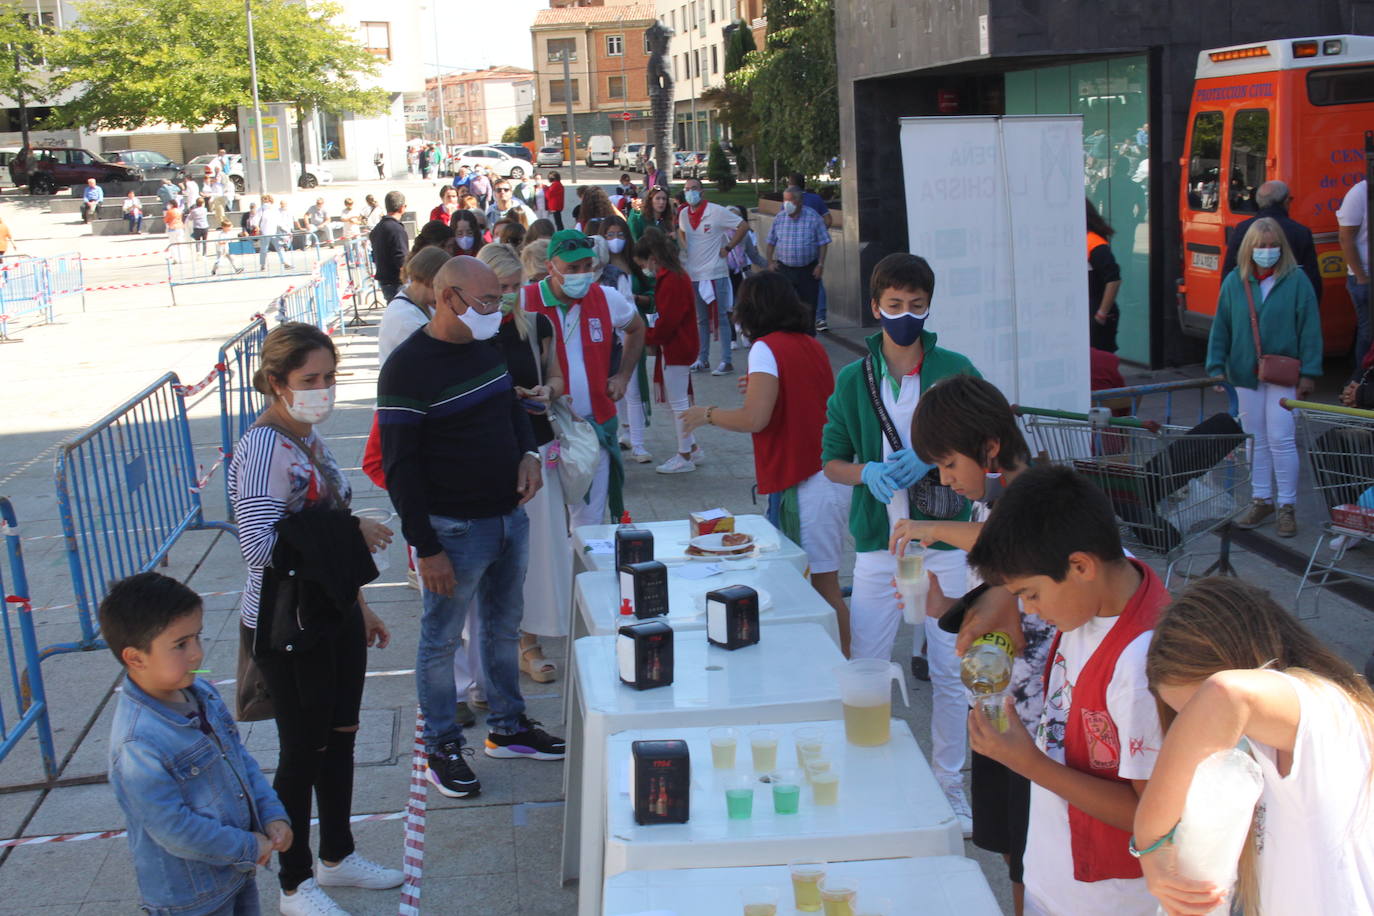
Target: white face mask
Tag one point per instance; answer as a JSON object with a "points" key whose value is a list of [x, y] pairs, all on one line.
{"points": [[788, 207], [465, 242], [483, 327], [310, 405], [616, 246]]}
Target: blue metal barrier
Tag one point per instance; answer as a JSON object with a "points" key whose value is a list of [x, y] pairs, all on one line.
{"points": [[239, 259], [126, 492], [24, 290], [66, 277], [239, 402], [328, 301], [297, 304], [30, 701]]}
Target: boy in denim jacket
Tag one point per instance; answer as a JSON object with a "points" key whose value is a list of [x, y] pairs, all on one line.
{"points": [[200, 815]]}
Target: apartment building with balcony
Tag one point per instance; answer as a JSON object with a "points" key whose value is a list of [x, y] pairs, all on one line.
{"points": [[479, 106]]}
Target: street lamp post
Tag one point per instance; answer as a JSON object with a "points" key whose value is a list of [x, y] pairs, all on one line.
{"points": [[257, 106], [439, 85]]}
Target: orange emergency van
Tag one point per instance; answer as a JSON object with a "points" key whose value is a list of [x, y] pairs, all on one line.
{"points": [[1296, 110]]}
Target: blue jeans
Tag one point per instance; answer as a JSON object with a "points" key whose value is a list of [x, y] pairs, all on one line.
{"points": [[820, 300], [1359, 298], [489, 557], [268, 243], [244, 903], [135, 221], [725, 303]]}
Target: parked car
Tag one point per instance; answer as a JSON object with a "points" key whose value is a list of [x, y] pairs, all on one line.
{"points": [[600, 151], [489, 157], [549, 155], [313, 175], [46, 168], [196, 168], [519, 151], [630, 157], [6, 156], [689, 164], [152, 163]]}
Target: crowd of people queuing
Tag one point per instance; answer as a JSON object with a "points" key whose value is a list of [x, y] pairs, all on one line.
{"points": [[497, 314]]}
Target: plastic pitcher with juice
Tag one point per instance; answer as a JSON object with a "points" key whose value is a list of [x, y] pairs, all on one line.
{"points": [[866, 693]]}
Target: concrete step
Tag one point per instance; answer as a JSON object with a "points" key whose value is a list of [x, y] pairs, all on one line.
{"points": [[112, 222]]}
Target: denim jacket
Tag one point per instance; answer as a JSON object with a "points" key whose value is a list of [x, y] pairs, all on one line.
{"points": [[191, 808]]}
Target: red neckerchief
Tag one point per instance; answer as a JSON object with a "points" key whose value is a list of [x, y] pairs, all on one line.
{"points": [[694, 214], [1263, 273]]}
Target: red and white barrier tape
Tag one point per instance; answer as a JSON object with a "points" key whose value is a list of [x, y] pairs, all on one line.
{"points": [[116, 834], [204, 479], [96, 289], [413, 853], [187, 391], [65, 607], [117, 257]]}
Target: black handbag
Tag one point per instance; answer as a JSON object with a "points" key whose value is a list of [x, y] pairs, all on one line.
{"points": [[928, 496], [252, 699]]}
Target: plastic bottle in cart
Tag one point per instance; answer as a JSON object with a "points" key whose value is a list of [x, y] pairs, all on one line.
{"points": [[986, 672]]}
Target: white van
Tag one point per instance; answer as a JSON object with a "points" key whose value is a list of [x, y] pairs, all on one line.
{"points": [[6, 156], [600, 151]]}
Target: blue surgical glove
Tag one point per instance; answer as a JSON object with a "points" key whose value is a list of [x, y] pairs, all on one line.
{"points": [[904, 469], [874, 476]]}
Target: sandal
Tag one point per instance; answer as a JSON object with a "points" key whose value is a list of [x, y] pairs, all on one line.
{"points": [[539, 669]]}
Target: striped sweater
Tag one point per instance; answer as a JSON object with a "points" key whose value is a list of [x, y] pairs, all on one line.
{"points": [[453, 434], [270, 477]]}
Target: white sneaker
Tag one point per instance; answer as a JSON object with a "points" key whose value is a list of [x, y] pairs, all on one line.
{"points": [[698, 454], [309, 900], [676, 465], [355, 871], [954, 794], [724, 368], [640, 455]]}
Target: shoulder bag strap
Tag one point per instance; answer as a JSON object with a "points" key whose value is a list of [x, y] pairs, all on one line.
{"points": [[1254, 316], [876, 399], [309, 453]]}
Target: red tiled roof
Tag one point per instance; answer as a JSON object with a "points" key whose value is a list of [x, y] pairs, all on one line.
{"points": [[594, 15]]}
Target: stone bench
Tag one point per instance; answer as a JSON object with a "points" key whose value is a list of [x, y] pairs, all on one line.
{"points": [[116, 224]]}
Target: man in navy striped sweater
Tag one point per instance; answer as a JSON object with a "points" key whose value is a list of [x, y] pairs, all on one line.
{"points": [[461, 461]]}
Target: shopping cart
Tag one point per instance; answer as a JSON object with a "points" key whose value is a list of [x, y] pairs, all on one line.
{"points": [[1340, 451], [1169, 485]]}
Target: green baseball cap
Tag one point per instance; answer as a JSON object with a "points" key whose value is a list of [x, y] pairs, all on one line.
{"points": [[570, 245]]}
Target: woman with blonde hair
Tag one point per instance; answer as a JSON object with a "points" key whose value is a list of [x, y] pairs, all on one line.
{"points": [[537, 384], [1267, 311], [534, 257], [1226, 663]]}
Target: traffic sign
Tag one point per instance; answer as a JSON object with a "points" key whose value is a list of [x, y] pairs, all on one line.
{"points": [[543, 123], [626, 116]]}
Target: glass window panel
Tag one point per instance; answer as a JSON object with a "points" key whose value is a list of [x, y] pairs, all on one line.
{"points": [[1204, 161], [1249, 150]]}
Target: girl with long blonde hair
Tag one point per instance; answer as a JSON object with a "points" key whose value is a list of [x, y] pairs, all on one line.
{"points": [[1226, 663]]}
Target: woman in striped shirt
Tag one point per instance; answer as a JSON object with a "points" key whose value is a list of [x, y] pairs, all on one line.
{"points": [[282, 466]]}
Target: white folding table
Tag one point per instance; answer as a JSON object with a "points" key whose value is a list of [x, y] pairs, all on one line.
{"points": [[784, 597], [931, 886], [670, 542], [786, 677], [890, 805]]}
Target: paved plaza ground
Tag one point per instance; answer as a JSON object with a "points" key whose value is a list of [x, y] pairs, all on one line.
{"points": [[495, 854]]}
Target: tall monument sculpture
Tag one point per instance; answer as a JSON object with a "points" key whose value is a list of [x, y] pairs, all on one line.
{"points": [[658, 36]]}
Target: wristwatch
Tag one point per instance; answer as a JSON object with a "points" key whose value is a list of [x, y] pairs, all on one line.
{"points": [[708, 415], [533, 454]]}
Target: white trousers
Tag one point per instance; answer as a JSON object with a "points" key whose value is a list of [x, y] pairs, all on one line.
{"points": [[873, 620], [1275, 456], [631, 411], [593, 511], [676, 381]]}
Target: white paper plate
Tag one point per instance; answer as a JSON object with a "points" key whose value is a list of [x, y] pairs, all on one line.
{"points": [[714, 543]]}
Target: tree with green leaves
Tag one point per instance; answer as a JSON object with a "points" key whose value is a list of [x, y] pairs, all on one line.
{"points": [[24, 45], [791, 86], [186, 62]]}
